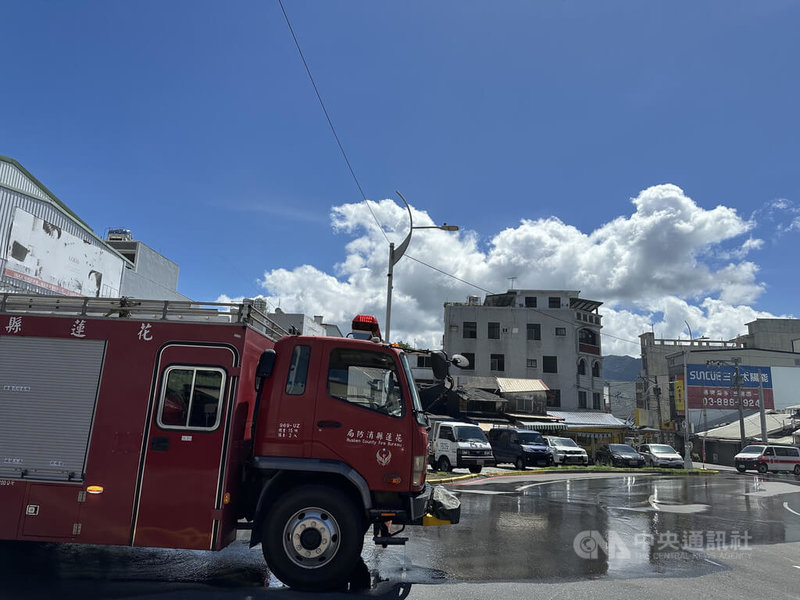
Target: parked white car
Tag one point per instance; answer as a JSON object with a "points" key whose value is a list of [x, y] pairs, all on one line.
{"points": [[566, 451]]}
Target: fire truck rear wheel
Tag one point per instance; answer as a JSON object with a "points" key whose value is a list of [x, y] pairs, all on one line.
{"points": [[313, 537]]}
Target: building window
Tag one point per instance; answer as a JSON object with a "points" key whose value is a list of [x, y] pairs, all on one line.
{"points": [[525, 405], [596, 404], [530, 301], [532, 363], [554, 302], [561, 331], [423, 361], [553, 398], [470, 356], [595, 369], [534, 331], [494, 331], [587, 336], [581, 367], [497, 362], [581, 399], [470, 330], [550, 364]]}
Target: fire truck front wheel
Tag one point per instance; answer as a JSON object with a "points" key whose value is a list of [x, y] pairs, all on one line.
{"points": [[313, 538]]}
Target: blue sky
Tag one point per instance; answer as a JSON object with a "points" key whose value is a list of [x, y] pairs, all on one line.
{"points": [[532, 125]]}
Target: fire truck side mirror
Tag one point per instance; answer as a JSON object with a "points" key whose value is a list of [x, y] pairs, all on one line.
{"points": [[264, 369], [439, 365], [460, 361]]}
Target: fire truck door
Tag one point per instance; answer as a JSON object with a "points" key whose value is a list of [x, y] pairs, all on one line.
{"points": [[361, 417], [181, 477]]}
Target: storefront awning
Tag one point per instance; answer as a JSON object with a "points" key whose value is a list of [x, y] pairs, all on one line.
{"points": [[541, 425]]}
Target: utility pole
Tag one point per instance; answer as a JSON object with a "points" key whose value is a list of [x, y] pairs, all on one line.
{"points": [[761, 408], [738, 380], [737, 385], [650, 393], [657, 392], [687, 453]]}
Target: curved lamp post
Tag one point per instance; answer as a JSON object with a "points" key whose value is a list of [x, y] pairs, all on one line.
{"points": [[395, 254]]}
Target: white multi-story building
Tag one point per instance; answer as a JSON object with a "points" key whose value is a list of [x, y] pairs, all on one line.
{"points": [[552, 335]]}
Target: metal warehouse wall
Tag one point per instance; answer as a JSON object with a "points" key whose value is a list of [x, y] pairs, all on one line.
{"points": [[18, 191]]}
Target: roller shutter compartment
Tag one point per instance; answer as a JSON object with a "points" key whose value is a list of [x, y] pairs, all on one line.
{"points": [[48, 393]]}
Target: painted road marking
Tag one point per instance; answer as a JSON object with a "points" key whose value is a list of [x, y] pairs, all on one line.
{"points": [[676, 508], [786, 506]]}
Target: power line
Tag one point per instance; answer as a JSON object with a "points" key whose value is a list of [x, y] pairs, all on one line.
{"points": [[330, 121], [477, 287]]}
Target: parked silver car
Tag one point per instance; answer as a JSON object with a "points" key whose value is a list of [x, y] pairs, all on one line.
{"points": [[565, 451], [661, 455]]}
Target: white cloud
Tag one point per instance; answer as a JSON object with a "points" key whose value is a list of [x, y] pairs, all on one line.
{"points": [[660, 263]]}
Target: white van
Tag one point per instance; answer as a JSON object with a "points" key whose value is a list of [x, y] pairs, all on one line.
{"points": [[768, 457], [459, 444]]}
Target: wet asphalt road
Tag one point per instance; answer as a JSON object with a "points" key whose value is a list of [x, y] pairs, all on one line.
{"points": [[558, 529]]}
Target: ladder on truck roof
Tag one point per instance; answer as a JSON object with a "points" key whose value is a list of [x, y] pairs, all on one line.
{"points": [[244, 313]]}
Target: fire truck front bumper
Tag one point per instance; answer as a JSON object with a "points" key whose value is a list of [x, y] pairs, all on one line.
{"points": [[435, 505]]}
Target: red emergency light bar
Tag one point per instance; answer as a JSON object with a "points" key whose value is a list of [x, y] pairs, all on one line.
{"points": [[366, 323]]}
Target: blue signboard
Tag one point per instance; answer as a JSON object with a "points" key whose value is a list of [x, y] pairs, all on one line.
{"points": [[723, 376]]}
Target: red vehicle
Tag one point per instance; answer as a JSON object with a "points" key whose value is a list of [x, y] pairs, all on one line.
{"points": [[172, 424]]}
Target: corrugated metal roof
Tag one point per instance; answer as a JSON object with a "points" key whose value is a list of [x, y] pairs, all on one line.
{"points": [[588, 419], [16, 177], [529, 416], [471, 393], [776, 422], [508, 385], [584, 304], [486, 383], [787, 440]]}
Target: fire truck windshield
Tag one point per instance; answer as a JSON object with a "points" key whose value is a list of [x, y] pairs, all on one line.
{"points": [[415, 402]]}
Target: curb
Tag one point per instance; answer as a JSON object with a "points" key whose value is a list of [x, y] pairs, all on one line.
{"points": [[433, 479]]}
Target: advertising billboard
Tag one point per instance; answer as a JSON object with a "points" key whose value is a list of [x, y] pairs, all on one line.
{"points": [[714, 387], [680, 398], [42, 254]]}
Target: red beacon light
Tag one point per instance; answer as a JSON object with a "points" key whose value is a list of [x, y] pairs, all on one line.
{"points": [[365, 327]]}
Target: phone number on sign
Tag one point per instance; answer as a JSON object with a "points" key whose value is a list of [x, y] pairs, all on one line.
{"points": [[723, 402]]}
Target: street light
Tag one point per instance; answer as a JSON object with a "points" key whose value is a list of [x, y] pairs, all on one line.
{"points": [[396, 254]]}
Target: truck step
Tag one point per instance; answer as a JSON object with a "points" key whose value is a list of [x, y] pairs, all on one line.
{"points": [[388, 540]]}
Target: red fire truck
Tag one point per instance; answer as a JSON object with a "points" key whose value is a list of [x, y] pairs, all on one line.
{"points": [[173, 424]]}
